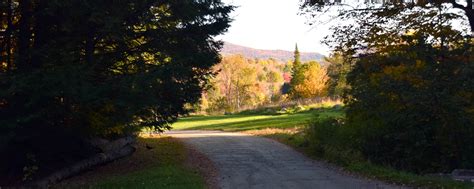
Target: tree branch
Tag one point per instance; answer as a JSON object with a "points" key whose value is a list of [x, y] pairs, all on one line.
{"points": [[459, 6]]}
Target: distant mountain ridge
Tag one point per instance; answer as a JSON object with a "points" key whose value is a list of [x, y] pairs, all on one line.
{"points": [[282, 55]]}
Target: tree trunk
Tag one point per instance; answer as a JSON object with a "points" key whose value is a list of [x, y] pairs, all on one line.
{"points": [[470, 17], [41, 34], [8, 35], [90, 47], [24, 34], [238, 89]]}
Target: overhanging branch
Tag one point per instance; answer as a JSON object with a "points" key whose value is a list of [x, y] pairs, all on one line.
{"points": [[459, 6]]}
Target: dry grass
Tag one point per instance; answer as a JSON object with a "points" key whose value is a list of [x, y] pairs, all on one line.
{"points": [[273, 131]]}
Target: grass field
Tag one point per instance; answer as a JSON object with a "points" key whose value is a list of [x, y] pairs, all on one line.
{"points": [[160, 167], [245, 122]]}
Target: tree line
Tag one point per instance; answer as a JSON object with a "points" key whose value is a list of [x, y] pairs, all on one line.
{"points": [[244, 83]]}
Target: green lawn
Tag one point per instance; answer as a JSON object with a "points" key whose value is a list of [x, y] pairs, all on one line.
{"points": [[241, 122], [157, 177]]}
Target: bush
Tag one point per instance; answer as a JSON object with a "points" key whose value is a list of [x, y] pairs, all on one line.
{"points": [[411, 106], [333, 140]]}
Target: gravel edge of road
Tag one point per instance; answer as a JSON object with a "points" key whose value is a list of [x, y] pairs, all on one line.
{"points": [[203, 165]]}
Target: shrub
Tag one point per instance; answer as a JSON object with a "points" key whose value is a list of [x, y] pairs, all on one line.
{"points": [[333, 140], [410, 107]]}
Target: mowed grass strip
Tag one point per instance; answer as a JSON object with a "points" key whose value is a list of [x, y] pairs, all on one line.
{"points": [[163, 166], [252, 122]]}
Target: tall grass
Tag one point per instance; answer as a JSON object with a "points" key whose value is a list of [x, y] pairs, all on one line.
{"points": [[337, 142]]}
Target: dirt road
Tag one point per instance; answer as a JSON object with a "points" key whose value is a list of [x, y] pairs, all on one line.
{"points": [[245, 161]]}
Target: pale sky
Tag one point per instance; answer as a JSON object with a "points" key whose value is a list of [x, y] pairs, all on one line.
{"points": [[272, 25]]}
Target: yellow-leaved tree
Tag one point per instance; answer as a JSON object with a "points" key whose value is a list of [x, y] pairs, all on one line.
{"points": [[313, 82]]}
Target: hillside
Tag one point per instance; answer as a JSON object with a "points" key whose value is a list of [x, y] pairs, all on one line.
{"points": [[282, 55]]}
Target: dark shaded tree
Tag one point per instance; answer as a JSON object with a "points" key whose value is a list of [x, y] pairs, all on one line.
{"points": [[410, 91], [410, 106], [337, 71], [75, 69]]}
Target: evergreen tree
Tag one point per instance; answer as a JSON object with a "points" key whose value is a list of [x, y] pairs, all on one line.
{"points": [[297, 56], [76, 69], [297, 75]]}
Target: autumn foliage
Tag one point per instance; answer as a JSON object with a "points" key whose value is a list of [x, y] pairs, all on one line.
{"points": [[241, 83], [312, 82]]}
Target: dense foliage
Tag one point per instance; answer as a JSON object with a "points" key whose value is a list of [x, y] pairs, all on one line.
{"points": [[410, 100], [337, 72], [412, 106], [308, 80], [75, 69], [242, 83], [297, 74]]}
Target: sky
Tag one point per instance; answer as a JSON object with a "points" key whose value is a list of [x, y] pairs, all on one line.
{"points": [[273, 25]]}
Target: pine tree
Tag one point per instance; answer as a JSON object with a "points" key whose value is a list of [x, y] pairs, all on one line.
{"points": [[297, 56], [71, 70], [296, 74]]}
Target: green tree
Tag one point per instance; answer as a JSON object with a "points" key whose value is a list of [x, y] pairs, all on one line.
{"points": [[337, 71], [411, 107], [297, 58], [297, 74], [409, 104], [76, 69]]}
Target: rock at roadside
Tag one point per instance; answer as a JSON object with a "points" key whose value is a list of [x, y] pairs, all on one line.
{"points": [[463, 175]]}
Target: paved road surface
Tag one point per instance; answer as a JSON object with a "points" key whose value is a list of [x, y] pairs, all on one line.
{"points": [[245, 161]]}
